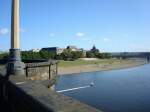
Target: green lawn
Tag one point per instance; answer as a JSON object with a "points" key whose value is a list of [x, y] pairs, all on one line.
{"points": [[82, 62]]}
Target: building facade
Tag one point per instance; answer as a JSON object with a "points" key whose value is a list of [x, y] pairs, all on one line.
{"points": [[55, 50]]}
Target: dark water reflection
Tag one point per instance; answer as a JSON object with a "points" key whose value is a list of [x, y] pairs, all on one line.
{"points": [[126, 90]]}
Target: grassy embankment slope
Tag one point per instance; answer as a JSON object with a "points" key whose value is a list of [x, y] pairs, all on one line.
{"points": [[80, 62], [78, 66]]}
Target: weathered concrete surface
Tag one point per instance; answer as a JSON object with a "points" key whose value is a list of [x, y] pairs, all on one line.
{"points": [[38, 73], [31, 95], [2, 70], [45, 72], [41, 71], [21, 94]]}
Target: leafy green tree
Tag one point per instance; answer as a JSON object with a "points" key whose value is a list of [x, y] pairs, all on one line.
{"points": [[37, 55], [4, 55], [66, 54], [76, 54], [47, 55], [104, 55], [90, 55], [27, 55]]}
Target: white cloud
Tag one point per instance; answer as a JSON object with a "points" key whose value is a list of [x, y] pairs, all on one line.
{"points": [[3, 31], [51, 34], [106, 39], [79, 34]]}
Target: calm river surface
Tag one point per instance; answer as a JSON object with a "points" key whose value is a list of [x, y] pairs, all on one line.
{"points": [[126, 90]]}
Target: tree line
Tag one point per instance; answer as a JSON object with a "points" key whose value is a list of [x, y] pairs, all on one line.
{"points": [[4, 55], [67, 54]]}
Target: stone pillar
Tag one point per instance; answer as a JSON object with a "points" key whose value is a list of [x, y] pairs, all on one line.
{"points": [[15, 66], [15, 25]]}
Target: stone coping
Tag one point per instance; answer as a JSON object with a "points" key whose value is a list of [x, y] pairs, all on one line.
{"points": [[32, 95]]}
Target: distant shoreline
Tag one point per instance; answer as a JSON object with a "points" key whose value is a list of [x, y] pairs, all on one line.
{"points": [[116, 65]]}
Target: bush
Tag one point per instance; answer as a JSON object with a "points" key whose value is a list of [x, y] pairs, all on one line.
{"points": [[104, 55], [4, 55], [98, 55], [47, 55], [90, 55], [37, 55], [67, 54]]}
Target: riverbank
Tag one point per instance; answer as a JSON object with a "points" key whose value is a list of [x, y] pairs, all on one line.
{"points": [[72, 67]]}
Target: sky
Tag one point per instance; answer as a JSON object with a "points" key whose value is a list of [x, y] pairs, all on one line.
{"points": [[110, 25]]}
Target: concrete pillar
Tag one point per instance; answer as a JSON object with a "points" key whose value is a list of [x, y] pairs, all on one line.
{"points": [[15, 66], [15, 25]]}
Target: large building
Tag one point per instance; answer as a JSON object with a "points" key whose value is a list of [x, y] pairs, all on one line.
{"points": [[74, 48], [58, 51], [55, 50], [34, 50]]}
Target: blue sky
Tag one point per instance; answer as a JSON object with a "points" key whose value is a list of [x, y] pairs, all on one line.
{"points": [[112, 25]]}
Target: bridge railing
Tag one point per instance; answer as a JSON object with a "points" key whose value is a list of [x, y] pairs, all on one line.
{"points": [[21, 94], [43, 71]]}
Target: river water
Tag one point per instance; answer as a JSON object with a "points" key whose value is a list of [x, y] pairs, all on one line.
{"points": [[126, 90]]}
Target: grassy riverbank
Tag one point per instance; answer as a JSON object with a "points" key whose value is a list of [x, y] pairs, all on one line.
{"points": [[78, 66], [83, 62]]}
